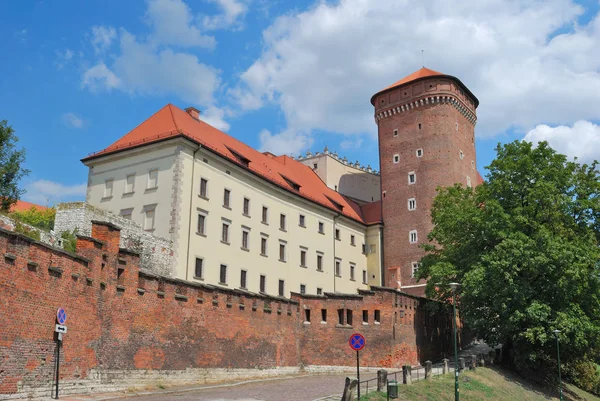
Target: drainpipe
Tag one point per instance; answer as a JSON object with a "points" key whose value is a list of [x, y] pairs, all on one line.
{"points": [[189, 236], [334, 259]]}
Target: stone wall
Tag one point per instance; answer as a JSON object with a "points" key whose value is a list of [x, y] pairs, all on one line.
{"points": [[131, 328], [156, 253], [48, 237]]}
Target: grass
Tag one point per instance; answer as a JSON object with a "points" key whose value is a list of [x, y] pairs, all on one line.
{"points": [[483, 384]]}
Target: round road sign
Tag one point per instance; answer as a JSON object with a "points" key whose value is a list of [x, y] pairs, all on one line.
{"points": [[357, 342], [61, 316]]}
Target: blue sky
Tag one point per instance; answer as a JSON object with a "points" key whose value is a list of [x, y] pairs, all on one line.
{"points": [[287, 76]]}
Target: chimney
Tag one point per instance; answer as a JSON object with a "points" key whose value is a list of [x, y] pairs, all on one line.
{"points": [[194, 112]]}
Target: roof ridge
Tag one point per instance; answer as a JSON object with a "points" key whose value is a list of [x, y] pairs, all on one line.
{"points": [[173, 117]]}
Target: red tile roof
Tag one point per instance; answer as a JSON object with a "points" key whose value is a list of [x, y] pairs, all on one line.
{"points": [[283, 171], [420, 74], [372, 212], [21, 206]]}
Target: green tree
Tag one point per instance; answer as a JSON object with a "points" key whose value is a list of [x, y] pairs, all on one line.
{"points": [[43, 219], [10, 167], [524, 246]]}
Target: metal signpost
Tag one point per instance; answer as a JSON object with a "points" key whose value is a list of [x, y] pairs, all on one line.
{"points": [[357, 342], [60, 329]]}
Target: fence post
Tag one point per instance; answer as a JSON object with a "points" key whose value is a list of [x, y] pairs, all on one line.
{"points": [[406, 374], [481, 360], [381, 379], [428, 370], [461, 364], [349, 389], [473, 362], [445, 370]]}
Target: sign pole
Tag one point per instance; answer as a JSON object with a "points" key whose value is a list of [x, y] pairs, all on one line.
{"points": [[60, 329], [358, 373], [57, 362]]}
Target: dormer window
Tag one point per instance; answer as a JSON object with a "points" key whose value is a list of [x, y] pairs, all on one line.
{"points": [[291, 183], [244, 161]]}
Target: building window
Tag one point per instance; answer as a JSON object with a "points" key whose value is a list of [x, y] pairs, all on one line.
{"points": [[396, 158], [199, 268], [473, 164], [204, 188], [457, 126], [419, 152], [303, 291], [225, 233], [281, 252], [323, 313], [246, 207], [352, 269], [319, 291], [149, 216], [364, 249], [306, 312], [263, 283], [337, 234], [265, 215], [108, 188], [349, 317], [281, 288], [302, 221], [263, 246], [468, 182], [412, 204], [152, 179], [126, 213], [461, 155], [282, 222], [419, 125], [303, 257], [201, 229], [415, 267], [129, 183], [226, 198], [352, 240], [245, 239], [338, 269], [364, 277], [243, 275], [321, 227], [315, 165], [412, 237], [377, 316], [396, 132], [412, 178], [341, 317], [365, 316], [319, 262], [223, 274]]}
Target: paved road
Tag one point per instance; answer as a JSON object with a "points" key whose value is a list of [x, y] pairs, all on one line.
{"points": [[306, 388]]}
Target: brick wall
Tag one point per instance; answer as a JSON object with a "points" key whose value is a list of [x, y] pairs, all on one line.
{"points": [[131, 328]]}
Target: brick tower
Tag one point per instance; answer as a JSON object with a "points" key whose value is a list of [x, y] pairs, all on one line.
{"points": [[426, 128]]}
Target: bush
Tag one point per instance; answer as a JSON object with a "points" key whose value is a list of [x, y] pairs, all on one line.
{"points": [[21, 229], [69, 240], [43, 219], [584, 375]]}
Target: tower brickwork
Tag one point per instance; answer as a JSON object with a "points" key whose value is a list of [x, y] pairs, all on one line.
{"points": [[426, 130]]}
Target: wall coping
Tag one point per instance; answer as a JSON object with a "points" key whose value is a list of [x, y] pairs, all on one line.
{"points": [[106, 224]]}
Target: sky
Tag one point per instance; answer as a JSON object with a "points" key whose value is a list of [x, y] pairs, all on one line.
{"points": [[287, 76]]}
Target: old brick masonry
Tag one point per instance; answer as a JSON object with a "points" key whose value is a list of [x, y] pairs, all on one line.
{"points": [[130, 328]]}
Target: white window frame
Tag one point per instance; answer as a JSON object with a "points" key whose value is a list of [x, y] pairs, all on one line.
{"points": [[148, 184], [352, 271], [225, 222], [244, 205], [200, 277], [396, 158], [414, 204], [461, 155], [469, 182], [109, 188], [396, 132], [247, 231], [321, 254], [226, 273], [266, 215], [473, 164], [205, 195], [419, 154], [415, 178], [126, 212], [305, 250], [365, 277], [337, 267], [205, 214], [264, 237], [410, 237], [128, 190], [284, 244], [415, 268], [149, 208]]}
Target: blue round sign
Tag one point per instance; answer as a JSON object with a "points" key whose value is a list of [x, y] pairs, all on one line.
{"points": [[357, 342], [61, 316]]}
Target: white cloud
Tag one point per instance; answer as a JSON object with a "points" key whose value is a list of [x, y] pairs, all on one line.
{"points": [[288, 142], [582, 140], [102, 37], [322, 65], [45, 192], [172, 21], [351, 143], [63, 58], [231, 12], [72, 120], [215, 117], [100, 77]]}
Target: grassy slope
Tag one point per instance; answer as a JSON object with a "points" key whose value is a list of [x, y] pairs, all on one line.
{"points": [[483, 384]]}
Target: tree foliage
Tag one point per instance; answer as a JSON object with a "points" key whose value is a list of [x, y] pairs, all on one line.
{"points": [[525, 247], [33, 216], [10, 167]]}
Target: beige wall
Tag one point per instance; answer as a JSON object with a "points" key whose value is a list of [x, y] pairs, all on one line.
{"points": [[345, 178]]}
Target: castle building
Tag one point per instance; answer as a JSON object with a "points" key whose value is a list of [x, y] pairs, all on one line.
{"points": [[426, 130], [258, 222]]}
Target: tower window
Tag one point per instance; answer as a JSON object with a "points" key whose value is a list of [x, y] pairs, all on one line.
{"points": [[419, 125], [315, 166], [468, 182], [396, 132], [415, 267], [457, 126], [396, 158], [419, 152], [462, 155], [473, 164], [412, 237], [412, 177], [412, 204]]}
